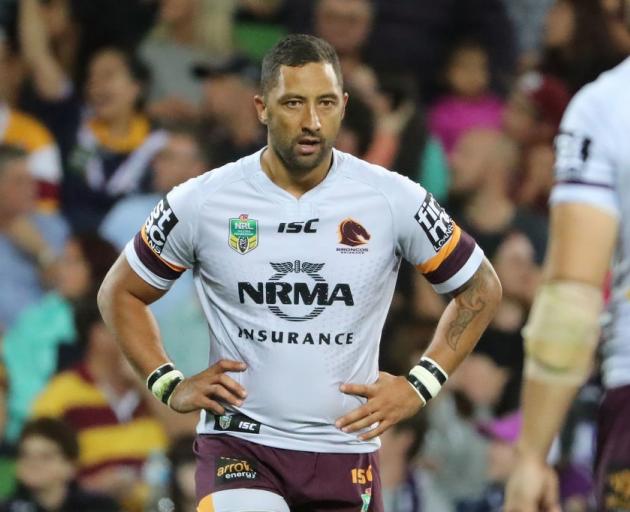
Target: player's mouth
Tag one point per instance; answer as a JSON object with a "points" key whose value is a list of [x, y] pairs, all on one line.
{"points": [[308, 145]]}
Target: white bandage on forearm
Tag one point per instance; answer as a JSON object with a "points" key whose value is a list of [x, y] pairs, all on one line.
{"points": [[562, 332], [163, 381]]}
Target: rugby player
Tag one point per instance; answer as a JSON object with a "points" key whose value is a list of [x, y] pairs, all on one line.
{"points": [[295, 251], [590, 228]]}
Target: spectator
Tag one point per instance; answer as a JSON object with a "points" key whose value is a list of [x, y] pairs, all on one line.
{"points": [[469, 102], [29, 240], [578, 43], [43, 337], [406, 486], [532, 118], [179, 313], [49, 39], [102, 400], [24, 131], [115, 144], [414, 36], [48, 452], [180, 38], [182, 481], [345, 24], [482, 165], [231, 128], [501, 434]]}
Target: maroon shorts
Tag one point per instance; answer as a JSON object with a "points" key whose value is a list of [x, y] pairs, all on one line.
{"points": [[612, 460], [308, 481]]}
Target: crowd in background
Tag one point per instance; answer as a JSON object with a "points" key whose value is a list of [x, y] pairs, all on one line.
{"points": [[105, 106]]}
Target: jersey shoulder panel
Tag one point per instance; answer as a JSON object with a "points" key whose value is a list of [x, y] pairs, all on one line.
{"points": [[590, 149]]}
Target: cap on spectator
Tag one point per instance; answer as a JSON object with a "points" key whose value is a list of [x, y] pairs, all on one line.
{"points": [[549, 96], [506, 428], [233, 65]]}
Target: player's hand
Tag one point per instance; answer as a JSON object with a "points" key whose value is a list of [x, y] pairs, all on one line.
{"points": [[532, 487], [390, 400], [208, 389]]}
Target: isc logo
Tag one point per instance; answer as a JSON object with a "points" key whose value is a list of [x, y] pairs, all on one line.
{"points": [[249, 426], [298, 227]]}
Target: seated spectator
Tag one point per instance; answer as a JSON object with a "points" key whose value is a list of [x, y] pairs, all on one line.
{"points": [[105, 403], [407, 487], [114, 145], [180, 38], [29, 240], [44, 336], [48, 452], [482, 170], [178, 313], [532, 119], [346, 25], [502, 434], [469, 103], [230, 125], [21, 130], [578, 43]]}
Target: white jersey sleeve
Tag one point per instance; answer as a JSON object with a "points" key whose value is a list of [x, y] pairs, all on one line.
{"points": [[428, 238], [164, 247], [586, 153]]}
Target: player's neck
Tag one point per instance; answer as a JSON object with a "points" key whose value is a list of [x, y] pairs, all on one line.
{"points": [[295, 184]]}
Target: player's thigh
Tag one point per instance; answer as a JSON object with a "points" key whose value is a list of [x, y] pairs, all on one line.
{"points": [[243, 500], [612, 469]]}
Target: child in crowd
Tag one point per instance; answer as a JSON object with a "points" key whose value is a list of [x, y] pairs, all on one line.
{"points": [[469, 102]]}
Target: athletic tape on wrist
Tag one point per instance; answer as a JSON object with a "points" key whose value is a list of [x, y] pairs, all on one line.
{"points": [[163, 381], [427, 378]]}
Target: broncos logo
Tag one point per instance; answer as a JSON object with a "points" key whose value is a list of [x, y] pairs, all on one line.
{"points": [[352, 233]]}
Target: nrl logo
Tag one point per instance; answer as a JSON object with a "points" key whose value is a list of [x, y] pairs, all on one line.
{"points": [[243, 234], [225, 421]]}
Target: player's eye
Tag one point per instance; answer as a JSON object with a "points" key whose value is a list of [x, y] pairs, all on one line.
{"points": [[293, 103], [327, 103]]}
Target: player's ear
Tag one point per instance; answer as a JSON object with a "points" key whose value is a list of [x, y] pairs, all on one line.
{"points": [[345, 104], [261, 108]]}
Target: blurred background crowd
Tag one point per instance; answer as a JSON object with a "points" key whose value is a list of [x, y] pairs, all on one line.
{"points": [[105, 106]]}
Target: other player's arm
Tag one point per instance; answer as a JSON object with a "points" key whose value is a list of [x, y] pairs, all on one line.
{"points": [[561, 337]]}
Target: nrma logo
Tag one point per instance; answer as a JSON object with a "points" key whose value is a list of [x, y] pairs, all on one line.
{"points": [[278, 291]]}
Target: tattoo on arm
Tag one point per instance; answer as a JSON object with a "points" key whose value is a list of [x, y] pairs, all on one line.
{"points": [[470, 302]]}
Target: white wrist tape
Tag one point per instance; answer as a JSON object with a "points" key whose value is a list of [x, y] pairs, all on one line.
{"points": [[427, 378], [163, 381]]}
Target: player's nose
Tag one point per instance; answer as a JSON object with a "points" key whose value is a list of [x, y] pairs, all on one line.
{"points": [[310, 120]]}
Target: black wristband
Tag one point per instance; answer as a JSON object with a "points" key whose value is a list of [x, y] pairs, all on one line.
{"points": [[434, 370], [157, 373], [424, 392]]}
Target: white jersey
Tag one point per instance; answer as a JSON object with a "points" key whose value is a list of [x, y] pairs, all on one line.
{"points": [[593, 167], [299, 289]]}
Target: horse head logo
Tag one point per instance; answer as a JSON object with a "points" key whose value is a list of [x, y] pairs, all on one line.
{"points": [[352, 233]]}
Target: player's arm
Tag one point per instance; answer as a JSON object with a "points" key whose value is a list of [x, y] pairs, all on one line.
{"points": [[123, 300], [157, 256], [465, 318], [563, 327], [453, 263]]}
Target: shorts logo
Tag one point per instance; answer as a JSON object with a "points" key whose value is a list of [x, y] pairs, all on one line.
{"points": [[435, 222], [236, 423], [234, 470], [243, 234], [366, 497], [353, 235], [158, 226]]}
